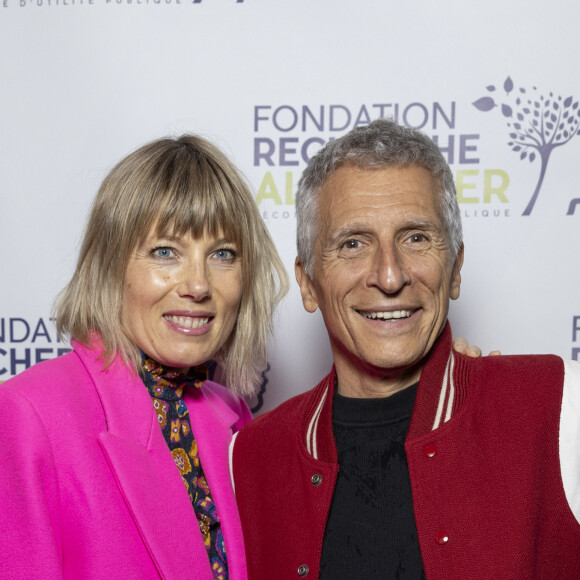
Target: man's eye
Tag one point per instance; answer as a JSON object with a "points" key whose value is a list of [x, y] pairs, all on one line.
{"points": [[415, 238], [162, 252], [351, 244]]}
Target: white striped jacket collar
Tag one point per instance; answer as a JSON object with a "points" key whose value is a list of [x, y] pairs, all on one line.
{"points": [[446, 402]]}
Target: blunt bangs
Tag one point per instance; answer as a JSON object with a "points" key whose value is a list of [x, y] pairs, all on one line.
{"points": [[199, 200]]}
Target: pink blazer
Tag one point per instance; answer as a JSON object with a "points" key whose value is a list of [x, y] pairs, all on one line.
{"points": [[88, 486]]}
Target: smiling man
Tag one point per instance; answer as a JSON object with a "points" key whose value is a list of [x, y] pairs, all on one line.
{"points": [[382, 275], [408, 460]]}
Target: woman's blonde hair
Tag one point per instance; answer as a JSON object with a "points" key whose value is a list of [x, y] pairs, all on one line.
{"points": [[178, 186]]}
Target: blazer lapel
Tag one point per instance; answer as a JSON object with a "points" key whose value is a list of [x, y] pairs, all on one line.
{"points": [[146, 474], [211, 421]]}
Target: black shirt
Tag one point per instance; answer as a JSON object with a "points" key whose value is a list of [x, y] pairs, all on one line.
{"points": [[371, 531]]}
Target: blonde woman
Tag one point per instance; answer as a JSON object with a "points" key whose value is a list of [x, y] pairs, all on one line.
{"points": [[114, 456]]}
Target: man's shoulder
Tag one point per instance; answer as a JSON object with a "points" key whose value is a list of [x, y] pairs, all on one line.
{"points": [[284, 414], [288, 418], [534, 384], [519, 367]]}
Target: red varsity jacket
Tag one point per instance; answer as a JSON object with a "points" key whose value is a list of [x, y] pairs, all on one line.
{"points": [[494, 459]]}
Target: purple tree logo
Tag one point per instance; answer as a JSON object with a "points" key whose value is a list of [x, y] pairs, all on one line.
{"points": [[537, 124]]}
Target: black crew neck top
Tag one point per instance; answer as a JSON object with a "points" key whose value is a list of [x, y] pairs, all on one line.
{"points": [[371, 531]]}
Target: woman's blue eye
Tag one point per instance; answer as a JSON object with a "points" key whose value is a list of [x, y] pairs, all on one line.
{"points": [[163, 252], [225, 254]]}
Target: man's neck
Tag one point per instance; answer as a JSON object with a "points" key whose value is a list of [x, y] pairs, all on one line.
{"points": [[367, 384]]}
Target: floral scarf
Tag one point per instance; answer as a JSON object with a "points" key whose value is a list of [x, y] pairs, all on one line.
{"points": [[166, 386]]}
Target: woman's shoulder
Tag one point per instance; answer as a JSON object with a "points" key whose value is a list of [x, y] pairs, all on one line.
{"points": [[47, 382], [235, 402], [44, 372], [214, 389]]}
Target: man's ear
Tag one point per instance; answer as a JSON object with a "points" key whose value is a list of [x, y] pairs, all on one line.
{"points": [[456, 275], [307, 289]]}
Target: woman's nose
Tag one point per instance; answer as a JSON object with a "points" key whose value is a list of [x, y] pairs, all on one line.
{"points": [[194, 281]]}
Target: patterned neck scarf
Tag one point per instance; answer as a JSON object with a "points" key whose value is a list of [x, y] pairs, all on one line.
{"points": [[166, 386]]}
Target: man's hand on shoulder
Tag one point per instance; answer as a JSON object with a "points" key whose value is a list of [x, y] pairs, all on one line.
{"points": [[463, 347]]}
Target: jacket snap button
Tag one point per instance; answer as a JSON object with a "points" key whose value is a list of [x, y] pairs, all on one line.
{"points": [[302, 570], [441, 537], [430, 450], [316, 479]]}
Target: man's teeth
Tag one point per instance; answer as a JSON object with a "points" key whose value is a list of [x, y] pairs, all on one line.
{"points": [[188, 321], [391, 315]]}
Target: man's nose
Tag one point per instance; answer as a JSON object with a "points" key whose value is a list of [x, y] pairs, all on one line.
{"points": [[389, 270]]}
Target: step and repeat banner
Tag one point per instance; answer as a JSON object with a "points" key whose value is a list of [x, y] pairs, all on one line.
{"points": [[84, 82]]}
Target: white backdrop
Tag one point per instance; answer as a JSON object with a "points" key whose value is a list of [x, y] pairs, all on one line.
{"points": [[84, 82]]}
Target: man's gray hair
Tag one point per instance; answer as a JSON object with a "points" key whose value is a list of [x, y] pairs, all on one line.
{"points": [[383, 143]]}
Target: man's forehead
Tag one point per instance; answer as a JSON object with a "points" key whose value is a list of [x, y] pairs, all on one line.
{"points": [[356, 191], [394, 173]]}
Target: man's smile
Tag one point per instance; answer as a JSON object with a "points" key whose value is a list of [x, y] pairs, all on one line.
{"points": [[386, 315]]}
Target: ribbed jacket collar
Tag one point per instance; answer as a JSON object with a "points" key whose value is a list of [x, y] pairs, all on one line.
{"points": [[441, 393]]}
